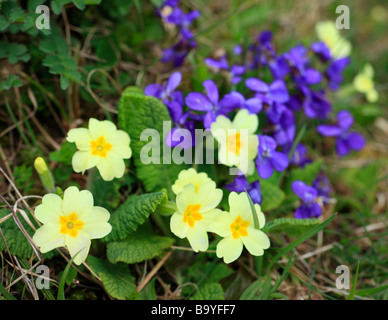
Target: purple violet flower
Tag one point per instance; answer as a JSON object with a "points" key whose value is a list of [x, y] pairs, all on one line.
{"points": [[210, 103], [315, 104], [321, 50], [299, 158], [322, 185], [309, 208], [237, 50], [282, 124], [298, 61], [346, 140], [171, 98], [334, 72], [182, 127], [268, 159], [178, 52], [183, 20], [269, 94], [240, 184], [253, 105], [236, 71]]}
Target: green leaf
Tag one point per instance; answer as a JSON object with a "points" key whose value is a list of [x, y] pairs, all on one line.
{"points": [[58, 59], [14, 52], [149, 292], [105, 193], [133, 213], [137, 248], [65, 154], [3, 23], [5, 293], [12, 81], [291, 226], [371, 291], [136, 114], [80, 4], [250, 292], [17, 243], [272, 196], [116, 278], [210, 291]]}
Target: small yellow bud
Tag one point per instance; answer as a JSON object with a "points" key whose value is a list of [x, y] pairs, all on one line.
{"points": [[45, 174], [40, 165]]}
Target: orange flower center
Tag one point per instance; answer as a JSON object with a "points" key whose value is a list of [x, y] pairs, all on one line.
{"points": [[234, 143], [70, 224], [100, 147], [191, 214], [239, 228]]}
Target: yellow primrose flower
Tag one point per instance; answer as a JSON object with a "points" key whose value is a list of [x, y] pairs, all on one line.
{"points": [[237, 229], [363, 83], [190, 176], [238, 143], [101, 145], [330, 35], [70, 222], [195, 211]]}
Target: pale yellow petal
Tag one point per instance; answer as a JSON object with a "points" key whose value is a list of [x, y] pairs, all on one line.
{"points": [[103, 128], [50, 210], [245, 120], [198, 238], [185, 197], [222, 123], [96, 222], [121, 144], [221, 224], [178, 227], [256, 241], [208, 218], [372, 96], [208, 196], [81, 137], [190, 176], [229, 249], [84, 160], [48, 237], [77, 201], [78, 247]]}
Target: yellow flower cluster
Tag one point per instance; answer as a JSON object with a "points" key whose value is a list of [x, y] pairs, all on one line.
{"points": [[197, 199], [73, 221]]}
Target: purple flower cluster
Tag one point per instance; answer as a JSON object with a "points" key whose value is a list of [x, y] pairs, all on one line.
{"points": [[174, 101], [177, 53], [241, 184], [235, 71], [308, 195], [284, 89], [346, 140]]}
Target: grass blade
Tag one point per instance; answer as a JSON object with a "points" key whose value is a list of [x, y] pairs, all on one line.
{"points": [[61, 289], [301, 239], [353, 290]]}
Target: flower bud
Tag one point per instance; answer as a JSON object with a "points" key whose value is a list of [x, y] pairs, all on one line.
{"points": [[45, 174]]}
